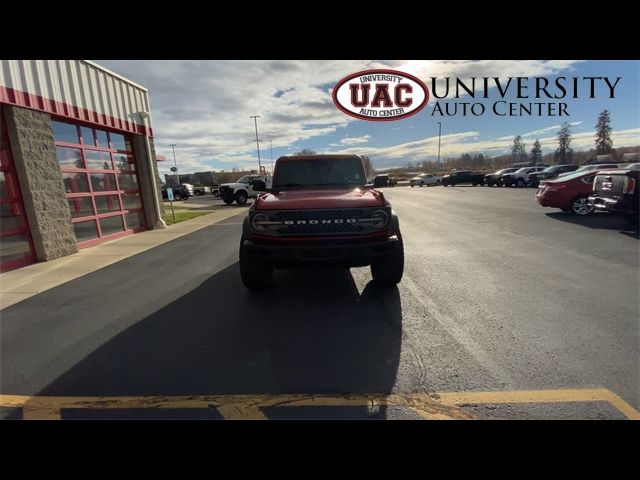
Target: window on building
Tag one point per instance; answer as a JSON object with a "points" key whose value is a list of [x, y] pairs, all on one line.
{"points": [[99, 173], [16, 246]]}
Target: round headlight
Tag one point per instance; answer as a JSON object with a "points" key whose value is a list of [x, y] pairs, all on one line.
{"points": [[258, 222], [380, 218]]}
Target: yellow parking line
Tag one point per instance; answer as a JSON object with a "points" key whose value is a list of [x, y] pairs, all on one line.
{"points": [[542, 396], [444, 405], [39, 413], [624, 407]]}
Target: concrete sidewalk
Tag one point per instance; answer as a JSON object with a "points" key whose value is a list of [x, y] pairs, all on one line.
{"points": [[26, 282]]}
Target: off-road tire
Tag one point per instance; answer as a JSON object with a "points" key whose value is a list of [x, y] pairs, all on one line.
{"points": [[388, 270], [256, 273]]}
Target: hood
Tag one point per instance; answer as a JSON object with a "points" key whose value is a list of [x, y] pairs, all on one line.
{"points": [[416, 178], [320, 198]]}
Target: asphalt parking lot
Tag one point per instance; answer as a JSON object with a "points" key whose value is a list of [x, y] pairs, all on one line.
{"points": [[507, 310]]}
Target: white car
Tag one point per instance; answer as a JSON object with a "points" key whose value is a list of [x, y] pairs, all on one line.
{"points": [[425, 179]]}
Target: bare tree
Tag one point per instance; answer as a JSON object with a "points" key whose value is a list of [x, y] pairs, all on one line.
{"points": [[518, 152], [368, 166], [564, 152], [305, 151]]}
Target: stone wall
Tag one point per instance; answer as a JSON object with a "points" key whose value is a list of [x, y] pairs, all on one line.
{"points": [[146, 174], [43, 193]]}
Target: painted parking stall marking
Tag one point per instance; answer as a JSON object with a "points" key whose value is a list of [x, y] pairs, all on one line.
{"points": [[429, 406]]}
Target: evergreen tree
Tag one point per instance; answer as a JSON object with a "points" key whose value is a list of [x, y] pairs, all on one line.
{"points": [[536, 153], [603, 134], [564, 153]]}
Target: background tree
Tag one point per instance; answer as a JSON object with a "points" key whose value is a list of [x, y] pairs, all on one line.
{"points": [[604, 143], [305, 151], [564, 153], [518, 152], [368, 166], [536, 153]]}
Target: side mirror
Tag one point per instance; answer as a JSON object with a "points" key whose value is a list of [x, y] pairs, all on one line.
{"points": [[259, 185]]}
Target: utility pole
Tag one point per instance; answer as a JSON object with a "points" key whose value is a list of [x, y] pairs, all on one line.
{"points": [[439, 135], [175, 164], [255, 120], [271, 157]]}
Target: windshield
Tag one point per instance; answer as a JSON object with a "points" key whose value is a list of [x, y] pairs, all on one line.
{"points": [[342, 172], [246, 179]]}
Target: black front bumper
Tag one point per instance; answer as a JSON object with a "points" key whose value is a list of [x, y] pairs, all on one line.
{"points": [[354, 254]]}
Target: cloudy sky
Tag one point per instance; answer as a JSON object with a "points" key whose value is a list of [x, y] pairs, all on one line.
{"points": [[204, 108]]}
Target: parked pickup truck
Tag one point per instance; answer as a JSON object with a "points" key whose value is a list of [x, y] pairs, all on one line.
{"points": [[180, 192], [617, 191], [241, 190], [424, 179], [520, 177], [320, 212], [495, 178], [463, 176]]}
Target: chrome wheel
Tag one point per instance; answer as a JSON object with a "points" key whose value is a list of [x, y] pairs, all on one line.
{"points": [[581, 206]]}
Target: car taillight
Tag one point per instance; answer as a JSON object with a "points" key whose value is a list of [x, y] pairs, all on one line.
{"points": [[629, 185]]}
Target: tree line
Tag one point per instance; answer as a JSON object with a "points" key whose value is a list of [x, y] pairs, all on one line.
{"points": [[603, 144]]}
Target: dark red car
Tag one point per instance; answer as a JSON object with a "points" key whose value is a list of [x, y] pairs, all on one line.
{"points": [[569, 192]]}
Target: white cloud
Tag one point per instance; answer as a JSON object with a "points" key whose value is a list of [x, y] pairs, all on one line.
{"points": [[355, 140], [538, 132], [204, 106]]}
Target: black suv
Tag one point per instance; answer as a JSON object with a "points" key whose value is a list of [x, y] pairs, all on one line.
{"points": [[181, 192], [551, 173], [384, 181]]}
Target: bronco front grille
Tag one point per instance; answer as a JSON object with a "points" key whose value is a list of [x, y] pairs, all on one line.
{"points": [[326, 222], [301, 223]]}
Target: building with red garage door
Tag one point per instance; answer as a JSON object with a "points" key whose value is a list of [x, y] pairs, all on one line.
{"points": [[77, 162]]}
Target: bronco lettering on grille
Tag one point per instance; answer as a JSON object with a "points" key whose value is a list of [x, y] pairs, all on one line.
{"points": [[315, 222]]}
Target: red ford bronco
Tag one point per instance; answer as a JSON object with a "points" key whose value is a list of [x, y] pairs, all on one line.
{"points": [[320, 212]]}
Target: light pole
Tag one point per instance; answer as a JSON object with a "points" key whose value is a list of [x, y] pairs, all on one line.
{"points": [[439, 135], [255, 120], [175, 164], [272, 157]]}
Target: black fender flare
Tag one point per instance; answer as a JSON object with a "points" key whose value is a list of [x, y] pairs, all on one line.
{"points": [[394, 224], [246, 229]]}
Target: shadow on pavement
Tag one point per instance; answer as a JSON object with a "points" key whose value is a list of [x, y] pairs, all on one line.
{"points": [[313, 332], [597, 221]]}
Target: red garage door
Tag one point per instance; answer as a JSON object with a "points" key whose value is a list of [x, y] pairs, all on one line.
{"points": [[101, 180], [16, 247]]}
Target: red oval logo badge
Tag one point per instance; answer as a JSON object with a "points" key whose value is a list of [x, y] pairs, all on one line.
{"points": [[380, 95]]}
